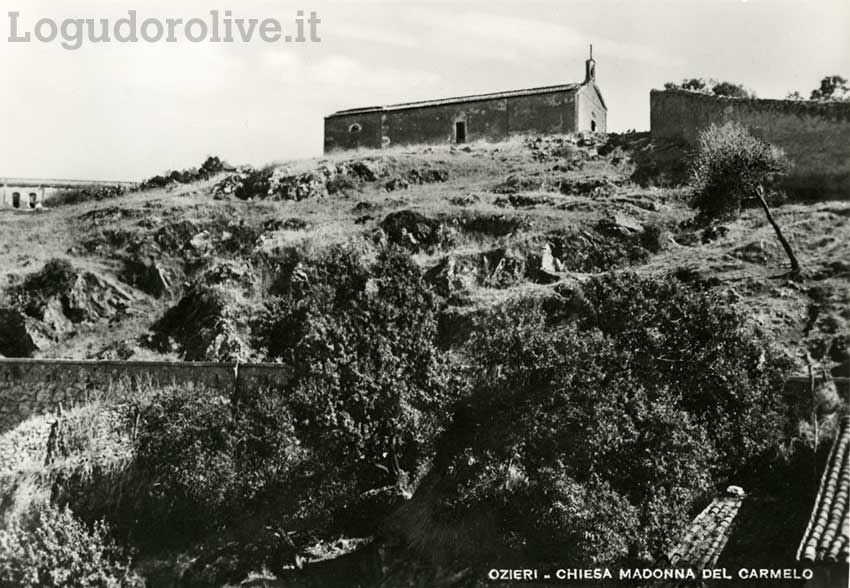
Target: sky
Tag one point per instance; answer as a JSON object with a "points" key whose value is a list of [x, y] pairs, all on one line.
{"points": [[126, 111]]}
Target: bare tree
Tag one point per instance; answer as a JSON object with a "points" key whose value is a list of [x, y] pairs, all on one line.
{"points": [[795, 265]]}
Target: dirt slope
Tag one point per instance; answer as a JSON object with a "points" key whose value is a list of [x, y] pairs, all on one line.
{"points": [[485, 222]]}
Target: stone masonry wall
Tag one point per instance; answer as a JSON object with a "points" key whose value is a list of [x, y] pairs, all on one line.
{"points": [[489, 119], [38, 386], [815, 136], [341, 132], [31, 387]]}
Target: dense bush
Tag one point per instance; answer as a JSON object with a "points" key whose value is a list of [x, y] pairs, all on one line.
{"points": [[598, 439], [260, 476], [832, 89], [730, 166], [48, 547], [211, 166], [711, 86], [212, 462], [369, 388], [720, 369]]}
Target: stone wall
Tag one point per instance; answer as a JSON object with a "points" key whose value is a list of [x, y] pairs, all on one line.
{"points": [[815, 136], [38, 386], [490, 119], [353, 131], [591, 109], [485, 120]]}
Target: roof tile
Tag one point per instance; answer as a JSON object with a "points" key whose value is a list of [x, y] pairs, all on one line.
{"points": [[828, 532], [704, 540]]}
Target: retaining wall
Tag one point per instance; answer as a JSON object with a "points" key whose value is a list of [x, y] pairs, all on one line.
{"points": [[814, 135], [38, 386], [31, 387]]}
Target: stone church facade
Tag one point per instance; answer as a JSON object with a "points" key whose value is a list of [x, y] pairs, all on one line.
{"points": [[563, 108]]}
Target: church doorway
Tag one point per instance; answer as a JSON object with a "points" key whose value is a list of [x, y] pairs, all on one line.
{"points": [[460, 132]]}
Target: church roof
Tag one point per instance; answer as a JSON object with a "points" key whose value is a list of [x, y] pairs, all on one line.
{"points": [[460, 99], [827, 536]]}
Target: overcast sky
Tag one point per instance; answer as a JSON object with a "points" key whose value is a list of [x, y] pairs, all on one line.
{"points": [[127, 111]]}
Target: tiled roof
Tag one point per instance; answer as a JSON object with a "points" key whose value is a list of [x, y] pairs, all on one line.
{"points": [[705, 539], [828, 533], [460, 99]]}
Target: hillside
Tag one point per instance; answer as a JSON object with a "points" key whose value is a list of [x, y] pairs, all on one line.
{"points": [[529, 353], [486, 222]]}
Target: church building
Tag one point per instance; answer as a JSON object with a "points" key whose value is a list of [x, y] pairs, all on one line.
{"points": [[563, 108]]}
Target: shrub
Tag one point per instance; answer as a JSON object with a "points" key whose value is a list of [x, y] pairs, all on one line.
{"points": [[711, 86], [832, 89], [213, 462], [48, 547], [722, 371], [598, 439], [732, 90], [730, 166], [212, 165], [369, 387], [343, 183]]}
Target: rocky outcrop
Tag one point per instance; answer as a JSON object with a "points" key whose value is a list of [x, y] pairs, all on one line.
{"points": [[209, 322], [52, 303], [413, 230], [21, 335], [284, 183], [147, 275], [460, 274]]}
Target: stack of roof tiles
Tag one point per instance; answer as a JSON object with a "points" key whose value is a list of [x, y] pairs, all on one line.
{"points": [[827, 537], [705, 539]]}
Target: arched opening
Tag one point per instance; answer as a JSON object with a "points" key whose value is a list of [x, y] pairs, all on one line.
{"points": [[593, 126], [16, 199], [355, 128], [33, 199]]}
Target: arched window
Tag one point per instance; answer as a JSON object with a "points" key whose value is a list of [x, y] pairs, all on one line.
{"points": [[16, 199], [593, 126], [355, 128], [33, 199]]}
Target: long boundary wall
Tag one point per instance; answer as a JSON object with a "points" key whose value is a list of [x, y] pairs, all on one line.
{"points": [[37, 386], [815, 136]]}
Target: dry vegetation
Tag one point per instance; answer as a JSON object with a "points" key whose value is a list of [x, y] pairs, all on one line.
{"points": [[242, 264], [490, 222]]}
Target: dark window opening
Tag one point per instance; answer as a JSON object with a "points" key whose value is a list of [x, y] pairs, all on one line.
{"points": [[460, 132], [593, 126], [33, 199], [355, 128], [16, 199]]}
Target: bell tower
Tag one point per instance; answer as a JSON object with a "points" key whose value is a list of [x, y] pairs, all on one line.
{"points": [[590, 68]]}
